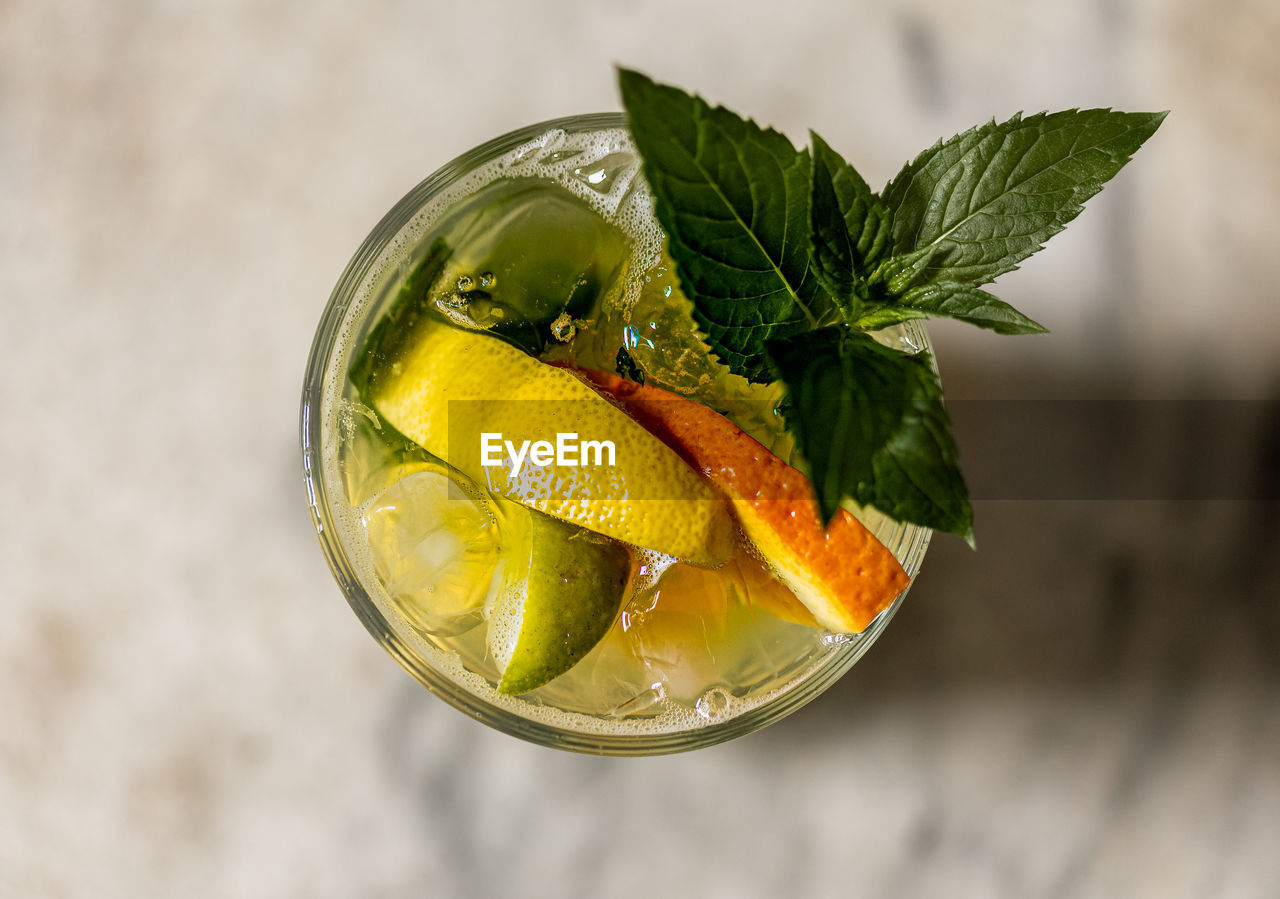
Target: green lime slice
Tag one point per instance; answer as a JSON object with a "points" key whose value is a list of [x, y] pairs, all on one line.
{"points": [[561, 589]]}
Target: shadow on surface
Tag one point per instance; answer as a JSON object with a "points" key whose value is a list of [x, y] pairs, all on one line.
{"points": [[1170, 584]]}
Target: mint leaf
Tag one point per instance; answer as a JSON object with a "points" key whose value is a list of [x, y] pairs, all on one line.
{"points": [[896, 274], [990, 197], [870, 423], [733, 200], [846, 396], [917, 474], [848, 225], [958, 301], [877, 317]]}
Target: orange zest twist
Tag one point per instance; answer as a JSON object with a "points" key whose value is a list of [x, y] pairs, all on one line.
{"points": [[842, 574]]}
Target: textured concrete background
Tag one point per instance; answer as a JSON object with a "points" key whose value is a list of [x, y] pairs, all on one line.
{"points": [[1088, 706]]}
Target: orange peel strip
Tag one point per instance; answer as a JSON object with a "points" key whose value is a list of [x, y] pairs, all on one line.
{"points": [[843, 575]]}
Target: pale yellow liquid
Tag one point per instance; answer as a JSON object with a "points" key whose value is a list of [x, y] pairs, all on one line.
{"points": [[671, 661], [664, 648]]}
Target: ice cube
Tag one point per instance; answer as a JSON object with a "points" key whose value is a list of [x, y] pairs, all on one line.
{"points": [[662, 337], [522, 253], [696, 632], [373, 457], [609, 678], [435, 551]]}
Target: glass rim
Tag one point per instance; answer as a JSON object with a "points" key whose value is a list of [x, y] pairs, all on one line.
{"points": [[815, 680]]}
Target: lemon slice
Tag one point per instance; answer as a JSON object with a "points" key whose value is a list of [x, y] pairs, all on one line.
{"points": [[444, 388], [435, 546]]}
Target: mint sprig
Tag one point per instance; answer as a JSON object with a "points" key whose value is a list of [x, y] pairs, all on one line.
{"points": [[990, 197], [787, 256], [733, 200]]}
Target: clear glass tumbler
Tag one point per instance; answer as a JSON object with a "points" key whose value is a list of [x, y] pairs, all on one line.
{"points": [[385, 257]]}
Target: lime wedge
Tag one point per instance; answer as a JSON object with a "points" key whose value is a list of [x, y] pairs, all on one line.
{"points": [[561, 589]]}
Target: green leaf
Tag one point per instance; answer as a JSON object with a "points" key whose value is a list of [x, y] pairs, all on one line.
{"points": [[897, 273], [877, 317], [917, 474], [869, 422], [990, 197], [733, 200], [958, 301], [846, 397], [849, 227]]}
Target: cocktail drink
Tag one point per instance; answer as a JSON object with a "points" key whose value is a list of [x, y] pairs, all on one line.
{"points": [[613, 427], [546, 497]]}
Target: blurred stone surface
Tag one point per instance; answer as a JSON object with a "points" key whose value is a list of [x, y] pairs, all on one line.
{"points": [[1087, 706]]}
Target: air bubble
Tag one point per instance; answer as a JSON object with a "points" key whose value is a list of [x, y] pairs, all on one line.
{"points": [[563, 328], [631, 338], [465, 283], [602, 174], [559, 156], [522, 155], [349, 412], [650, 566]]}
